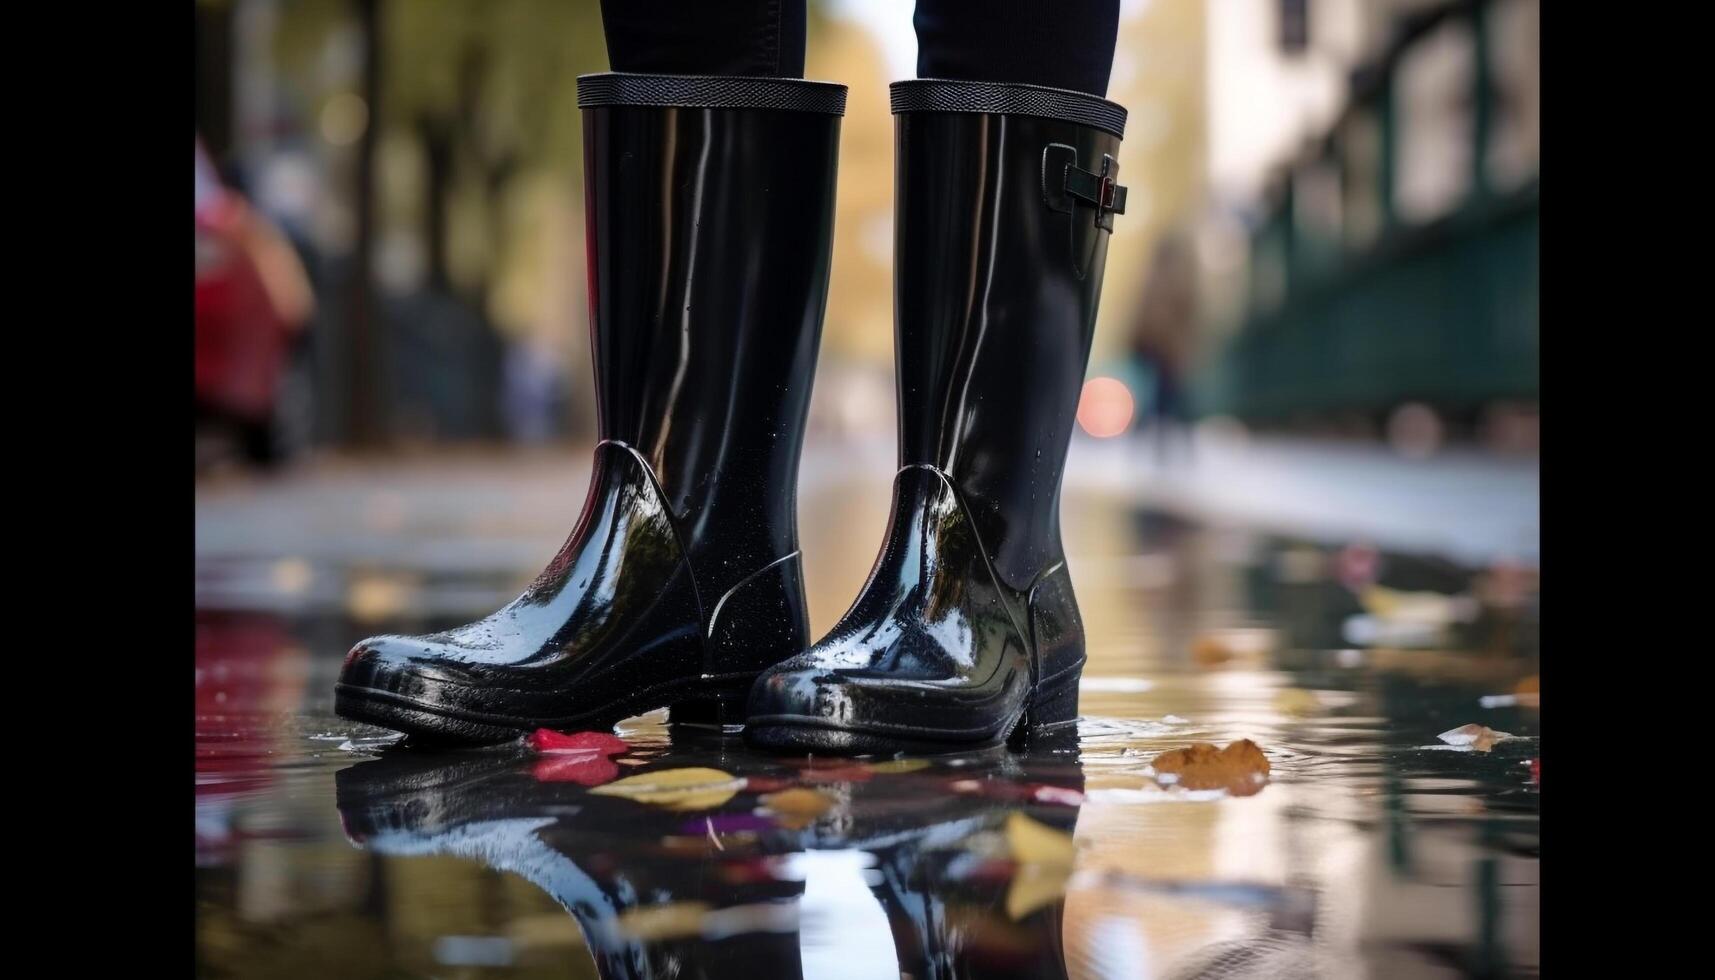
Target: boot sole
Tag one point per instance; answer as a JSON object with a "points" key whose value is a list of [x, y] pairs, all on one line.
{"points": [[713, 703], [1048, 711]]}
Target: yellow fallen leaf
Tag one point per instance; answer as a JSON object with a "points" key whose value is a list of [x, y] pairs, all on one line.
{"points": [[692, 788], [1296, 701], [673, 920], [1033, 842], [899, 765], [1044, 857], [1036, 886]]}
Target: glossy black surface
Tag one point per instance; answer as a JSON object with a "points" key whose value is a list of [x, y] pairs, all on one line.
{"points": [[968, 623], [718, 889], [1409, 857], [710, 235]]}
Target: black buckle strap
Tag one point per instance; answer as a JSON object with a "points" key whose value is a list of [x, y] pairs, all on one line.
{"points": [[1098, 190]]}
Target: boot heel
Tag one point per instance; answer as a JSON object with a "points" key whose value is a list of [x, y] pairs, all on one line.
{"points": [[720, 709], [1052, 715]]}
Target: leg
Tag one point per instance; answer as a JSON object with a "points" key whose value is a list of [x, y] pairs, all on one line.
{"points": [[756, 38], [1067, 45]]}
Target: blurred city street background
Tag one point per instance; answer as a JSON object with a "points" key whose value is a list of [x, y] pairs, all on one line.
{"points": [[1307, 455]]}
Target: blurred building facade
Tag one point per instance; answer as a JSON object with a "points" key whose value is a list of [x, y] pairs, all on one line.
{"points": [[1369, 258], [425, 158], [1333, 208]]}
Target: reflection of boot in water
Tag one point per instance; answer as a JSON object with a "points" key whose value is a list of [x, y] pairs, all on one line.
{"points": [[601, 858], [959, 901], [946, 924]]}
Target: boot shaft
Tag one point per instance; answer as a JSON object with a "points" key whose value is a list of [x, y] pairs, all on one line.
{"points": [[709, 209], [999, 256]]}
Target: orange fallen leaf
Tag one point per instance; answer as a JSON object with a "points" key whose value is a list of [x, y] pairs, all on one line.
{"points": [[1209, 651], [797, 807], [1529, 691], [1480, 738], [1215, 647], [1240, 768]]}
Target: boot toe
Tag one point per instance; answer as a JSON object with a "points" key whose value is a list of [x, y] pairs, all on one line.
{"points": [[406, 666], [403, 683], [815, 708], [803, 693]]}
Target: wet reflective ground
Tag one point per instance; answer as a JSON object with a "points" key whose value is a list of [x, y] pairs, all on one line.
{"points": [[1373, 848]]}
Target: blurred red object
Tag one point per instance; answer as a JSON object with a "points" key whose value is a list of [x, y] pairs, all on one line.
{"points": [[242, 693], [252, 297]]}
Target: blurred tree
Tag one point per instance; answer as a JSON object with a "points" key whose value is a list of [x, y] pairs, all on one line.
{"points": [[214, 77], [486, 94]]}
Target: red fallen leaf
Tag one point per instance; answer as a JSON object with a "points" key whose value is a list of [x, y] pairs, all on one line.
{"points": [[596, 743], [586, 769], [767, 784]]}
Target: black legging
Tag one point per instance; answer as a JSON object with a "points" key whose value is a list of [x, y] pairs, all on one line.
{"points": [[1060, 43]]}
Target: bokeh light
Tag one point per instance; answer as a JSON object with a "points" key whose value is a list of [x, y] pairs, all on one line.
{"points": [[1105, 408], [344, 119]]}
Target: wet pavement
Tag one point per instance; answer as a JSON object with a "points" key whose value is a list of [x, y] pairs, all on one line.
{"points": [[1373, 847]]}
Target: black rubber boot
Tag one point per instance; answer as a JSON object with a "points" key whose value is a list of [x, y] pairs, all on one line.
{"points": [[709, 203], [967, 630]]}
